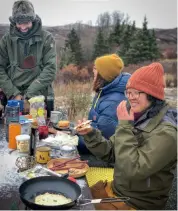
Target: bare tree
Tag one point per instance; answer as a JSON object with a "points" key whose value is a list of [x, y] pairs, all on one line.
{"points": [[104, 23], [117, 16], [104, 20], [89, 23], [78, 27]]}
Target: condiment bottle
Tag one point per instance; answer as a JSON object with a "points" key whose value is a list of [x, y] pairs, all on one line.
{"points": [[14, 130]]}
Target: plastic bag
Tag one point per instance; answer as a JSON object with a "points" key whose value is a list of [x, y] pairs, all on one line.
{"points": [[37, 109]]}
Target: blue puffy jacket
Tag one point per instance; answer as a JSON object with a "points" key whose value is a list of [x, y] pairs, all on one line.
{"points": [[103, 111]]}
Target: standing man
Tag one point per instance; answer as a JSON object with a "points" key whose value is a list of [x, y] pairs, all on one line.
{"points": [[27, 56]]}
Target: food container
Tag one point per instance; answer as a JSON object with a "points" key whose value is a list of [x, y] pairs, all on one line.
{"points": [[25, 128], [43, 132], [67, 151], [23, 143], [25, 162], [37, 171], [37, 109], [55, 116], [14, 129], [43, 154]]}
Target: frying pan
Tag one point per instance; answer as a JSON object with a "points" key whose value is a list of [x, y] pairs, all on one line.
{"points": [[56, 185], [51, 184]]}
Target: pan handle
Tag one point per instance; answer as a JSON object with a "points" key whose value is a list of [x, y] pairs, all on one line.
{"points": [[117, 199], [105, 200]]}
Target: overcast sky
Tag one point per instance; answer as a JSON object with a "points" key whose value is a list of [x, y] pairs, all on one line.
{"points": [[160, 13]]}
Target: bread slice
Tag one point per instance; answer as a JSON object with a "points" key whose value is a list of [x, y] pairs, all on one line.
{"points": [[83, 125]]}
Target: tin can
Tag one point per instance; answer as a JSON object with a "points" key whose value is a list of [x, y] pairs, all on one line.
{"points": [[43, 154]]}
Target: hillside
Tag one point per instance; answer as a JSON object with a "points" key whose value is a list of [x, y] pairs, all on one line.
{"points": [[166, 38]]}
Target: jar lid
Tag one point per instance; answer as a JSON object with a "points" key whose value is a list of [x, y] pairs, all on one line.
{"points": [[22, 137], [55, 112], [13, 103], [43, 149]]}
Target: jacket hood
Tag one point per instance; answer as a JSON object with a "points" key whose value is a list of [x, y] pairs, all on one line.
{"points": [[118, 84], [171, 116], [36, 28], [166, 114]]}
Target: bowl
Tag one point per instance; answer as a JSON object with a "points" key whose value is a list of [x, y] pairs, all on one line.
{"points": [[67, 151]]}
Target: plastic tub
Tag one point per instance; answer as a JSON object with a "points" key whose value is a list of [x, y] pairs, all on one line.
{"points": [[23, 143]]}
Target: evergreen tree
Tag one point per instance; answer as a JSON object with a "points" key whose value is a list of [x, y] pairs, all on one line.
{"points": [[67, 57], [117, 34], [126, 39], [145, 39], [154, 50], [133, 28], [132, 55], [139, 50], [74, 47], [100, 46]]}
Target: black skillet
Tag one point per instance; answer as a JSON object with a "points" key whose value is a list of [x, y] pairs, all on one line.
{"points": [[51, 184], [58, 185]]}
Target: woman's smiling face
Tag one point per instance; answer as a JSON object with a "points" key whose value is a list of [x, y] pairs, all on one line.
{"points": [[138, 100]]}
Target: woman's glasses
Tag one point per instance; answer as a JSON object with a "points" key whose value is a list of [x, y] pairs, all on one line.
{"points": [[135, 95]]}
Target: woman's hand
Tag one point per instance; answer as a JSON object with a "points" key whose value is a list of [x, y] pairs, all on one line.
{"points": [[122, 112], [84, 130]]}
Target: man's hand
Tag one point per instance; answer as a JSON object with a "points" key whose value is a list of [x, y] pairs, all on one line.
{"points": [[18, 97], [122, 112]]}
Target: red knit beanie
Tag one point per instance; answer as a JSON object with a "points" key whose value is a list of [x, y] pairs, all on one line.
{"points": [[149, 79]]}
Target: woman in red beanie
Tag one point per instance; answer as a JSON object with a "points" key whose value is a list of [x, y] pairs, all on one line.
{"points": [[144, 146]]}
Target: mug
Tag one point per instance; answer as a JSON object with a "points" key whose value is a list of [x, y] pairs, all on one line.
{"points": [[55, 116]]}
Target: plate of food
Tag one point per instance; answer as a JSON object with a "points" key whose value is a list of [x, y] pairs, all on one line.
{"points": [[63, 125], [74, 167]]}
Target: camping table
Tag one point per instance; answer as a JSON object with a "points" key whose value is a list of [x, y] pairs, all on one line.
{"points": [[10, 180]]}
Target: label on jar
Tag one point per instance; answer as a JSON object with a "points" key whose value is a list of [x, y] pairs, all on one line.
{"points": [[41, 112], [26, 128], [23, 146]]}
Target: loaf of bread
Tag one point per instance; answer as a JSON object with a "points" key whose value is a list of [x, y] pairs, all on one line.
{"points": [[63, 123]]}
